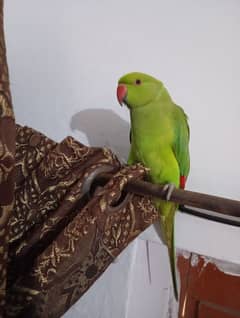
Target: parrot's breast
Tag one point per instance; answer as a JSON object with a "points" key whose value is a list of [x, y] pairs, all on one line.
{"points": [[153, 131]]}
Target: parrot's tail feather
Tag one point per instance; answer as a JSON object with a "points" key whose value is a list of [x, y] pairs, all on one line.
{"points": [[172, 258], [167, 217]]}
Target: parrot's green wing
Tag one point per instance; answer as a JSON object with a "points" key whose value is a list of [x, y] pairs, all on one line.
{"points": [[181, 152], [180, 146]]}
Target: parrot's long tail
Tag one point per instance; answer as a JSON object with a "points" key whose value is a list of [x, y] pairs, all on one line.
{"points": [[167, 218], [172, 258]]}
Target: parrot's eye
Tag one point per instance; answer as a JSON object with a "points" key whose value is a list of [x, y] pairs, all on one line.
{"points": [[138, 82]]}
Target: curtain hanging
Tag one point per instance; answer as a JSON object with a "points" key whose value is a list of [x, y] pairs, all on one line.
{"points": [[61, 227]]}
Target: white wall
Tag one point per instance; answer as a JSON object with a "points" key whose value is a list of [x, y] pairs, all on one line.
{"points": [[65, 58]]}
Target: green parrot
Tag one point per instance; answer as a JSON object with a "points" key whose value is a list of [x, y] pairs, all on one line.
{"points": [[159, 139]]}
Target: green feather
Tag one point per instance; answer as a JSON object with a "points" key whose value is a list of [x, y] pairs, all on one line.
{"points": [[182, 135], [159, 140]]}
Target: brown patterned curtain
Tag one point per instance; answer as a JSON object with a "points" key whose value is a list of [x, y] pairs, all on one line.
{"points": [[61, 225], [7, 155]]}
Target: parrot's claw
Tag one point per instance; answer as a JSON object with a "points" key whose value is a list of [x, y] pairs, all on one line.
{"points": [[169, 188]]}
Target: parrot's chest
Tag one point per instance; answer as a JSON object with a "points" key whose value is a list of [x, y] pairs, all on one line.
{"points": [[150, 149], [160, 160], [152, 142]]}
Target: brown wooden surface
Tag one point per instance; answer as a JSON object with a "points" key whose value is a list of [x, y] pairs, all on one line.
{"points": [[207, 311], [188, 306], [206, 291], [184, 197]]}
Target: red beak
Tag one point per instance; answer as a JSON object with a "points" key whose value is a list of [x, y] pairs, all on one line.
{"points": [[121, 93]]}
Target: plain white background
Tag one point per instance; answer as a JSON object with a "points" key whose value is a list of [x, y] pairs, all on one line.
{"points": [[65, 58]]}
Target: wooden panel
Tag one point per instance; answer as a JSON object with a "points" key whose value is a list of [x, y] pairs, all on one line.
{"points": [[206, 291], [207, 311], [187, 305]]}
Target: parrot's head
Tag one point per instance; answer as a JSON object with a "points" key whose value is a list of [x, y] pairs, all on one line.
{"points": [[137, 89]]}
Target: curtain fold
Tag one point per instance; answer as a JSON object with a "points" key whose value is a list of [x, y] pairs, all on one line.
{"points": [[77, 254], [7, 157]]}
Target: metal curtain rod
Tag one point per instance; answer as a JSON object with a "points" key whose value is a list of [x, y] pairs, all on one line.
{"points": [[221, 205]]}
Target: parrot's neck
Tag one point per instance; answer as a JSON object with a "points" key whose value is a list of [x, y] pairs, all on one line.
{"points": [[148, 120]]}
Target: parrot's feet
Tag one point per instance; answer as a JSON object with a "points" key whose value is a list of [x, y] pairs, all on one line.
{"points": [[169, 188]]}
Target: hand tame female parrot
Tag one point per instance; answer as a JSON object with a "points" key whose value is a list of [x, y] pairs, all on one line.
{"points": [[159, 140]]}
